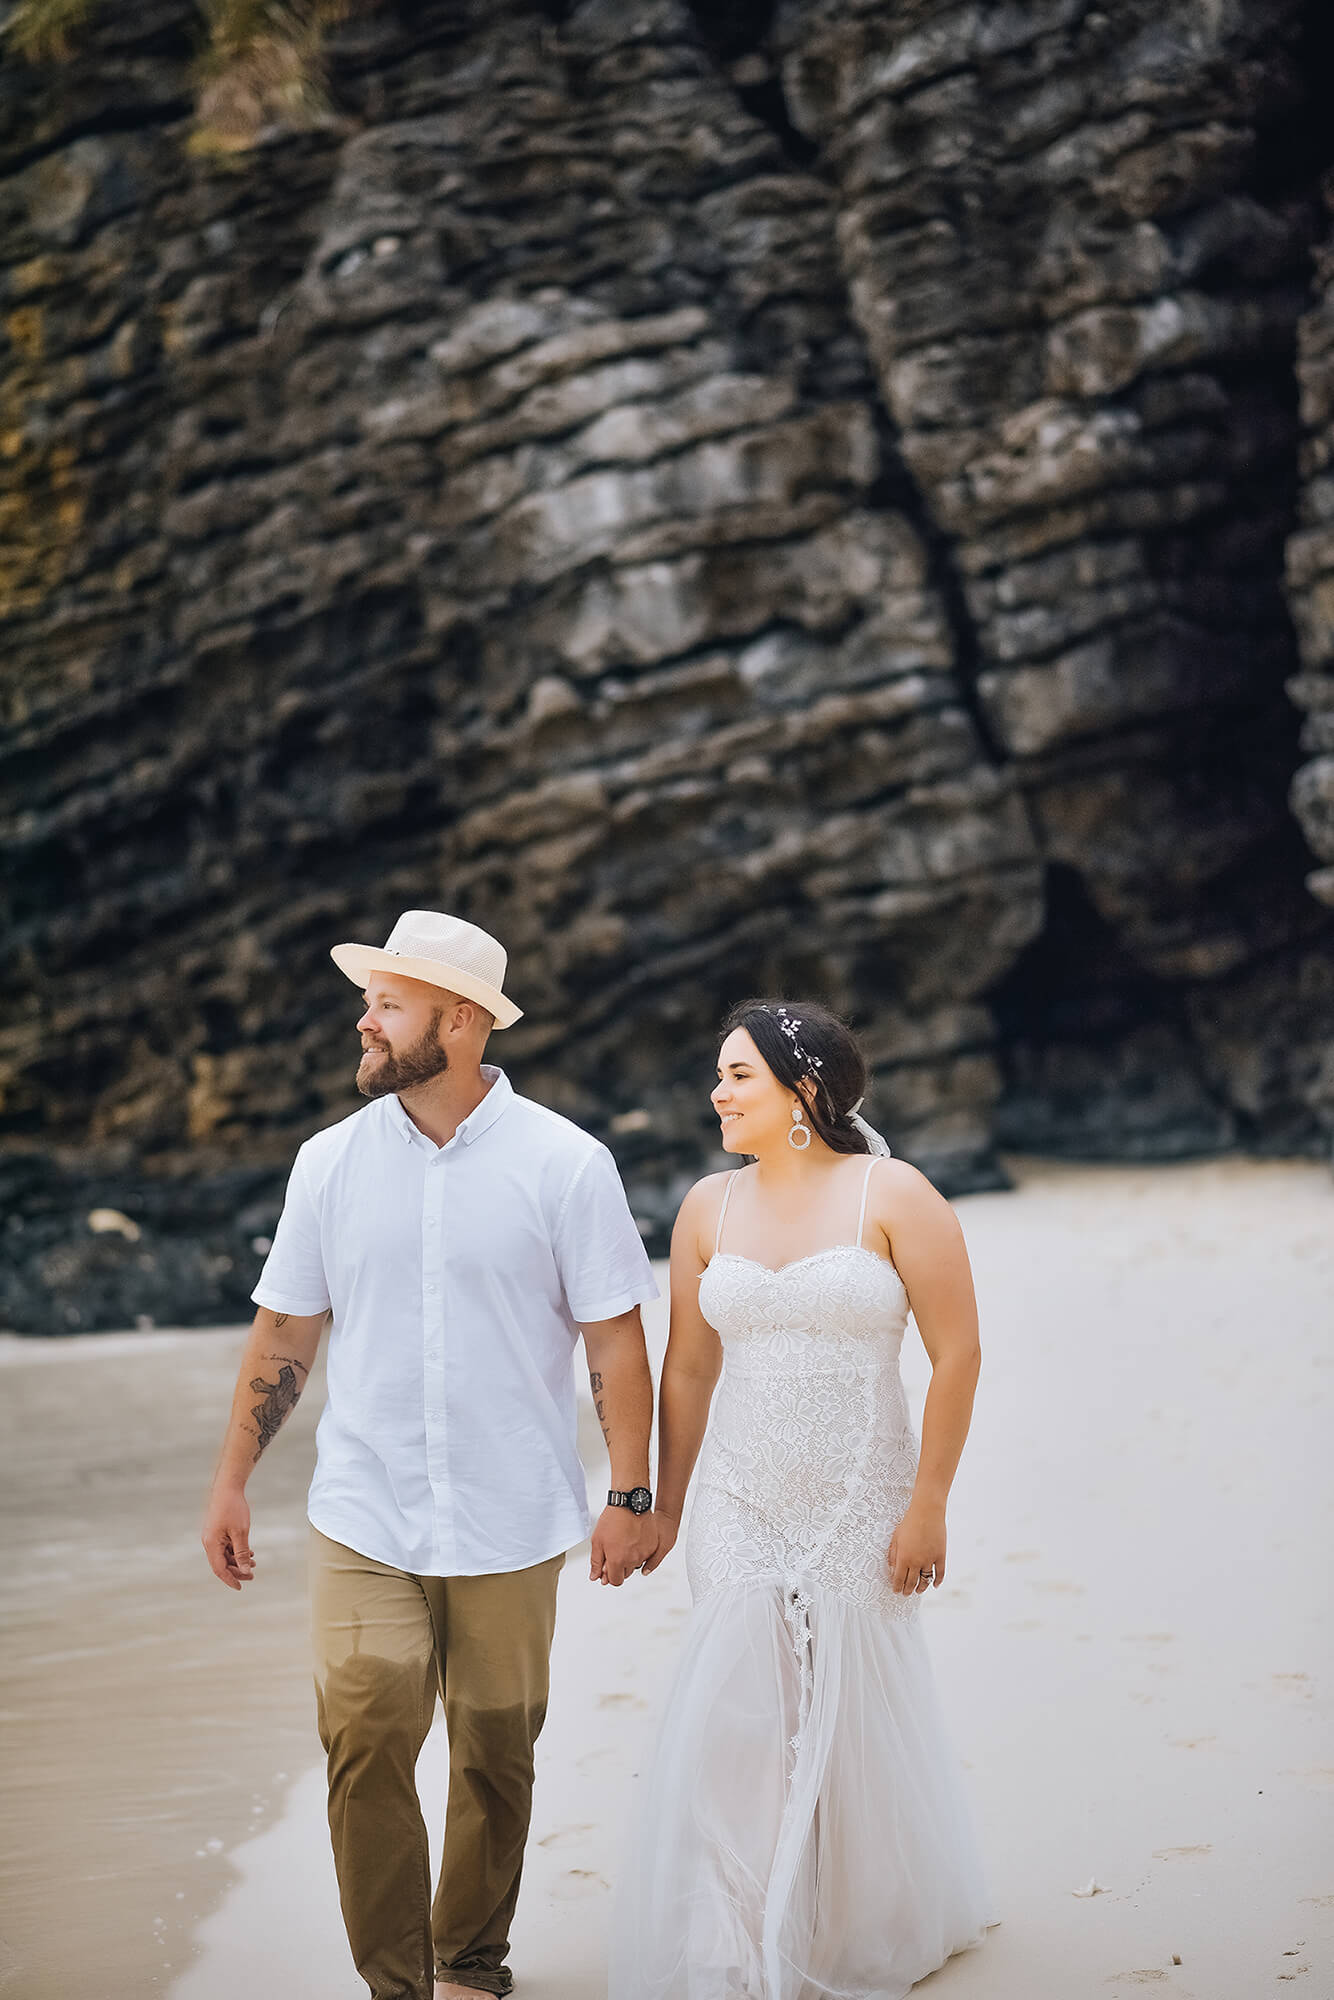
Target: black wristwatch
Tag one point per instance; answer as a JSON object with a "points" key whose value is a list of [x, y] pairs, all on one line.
{"points": [[639, 1500]]}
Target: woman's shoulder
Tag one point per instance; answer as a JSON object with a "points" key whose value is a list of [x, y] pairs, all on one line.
{"points": [[707, 1194], [897, 1182], [702, 1205], [905, 1204]]}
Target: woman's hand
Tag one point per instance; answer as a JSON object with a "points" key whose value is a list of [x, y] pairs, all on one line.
{"points": [[917, 1547], [668, 1529]]}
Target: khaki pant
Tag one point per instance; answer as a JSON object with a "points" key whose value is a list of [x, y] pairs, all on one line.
{"points": [[385, 1644]]}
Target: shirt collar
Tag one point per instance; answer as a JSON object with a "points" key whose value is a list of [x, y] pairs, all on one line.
{"points": [[491, 1107]]}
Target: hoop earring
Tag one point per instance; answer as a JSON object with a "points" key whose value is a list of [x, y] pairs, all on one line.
{"points": [[798, 1135]]}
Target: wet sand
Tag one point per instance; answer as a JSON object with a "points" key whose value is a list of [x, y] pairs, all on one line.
{"points": [[1132, 1641]]}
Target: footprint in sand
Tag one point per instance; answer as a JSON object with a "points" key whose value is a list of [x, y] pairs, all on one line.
{"points": [[577, 1882], [1146, 1976], [621, 1701], [1178, 1853], [566, 1836]]}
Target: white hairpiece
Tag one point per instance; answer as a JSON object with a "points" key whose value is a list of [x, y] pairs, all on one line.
{"points": [[876, 1142], [789, 1025]]}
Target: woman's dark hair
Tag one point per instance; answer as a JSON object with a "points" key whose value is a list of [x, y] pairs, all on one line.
{"points": [[800, 1039]]}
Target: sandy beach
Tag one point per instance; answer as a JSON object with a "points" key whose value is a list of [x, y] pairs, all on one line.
{"points": [[1133, 1640]]}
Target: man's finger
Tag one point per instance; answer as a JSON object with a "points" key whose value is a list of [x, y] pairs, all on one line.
{"points": [[218, 1563]]}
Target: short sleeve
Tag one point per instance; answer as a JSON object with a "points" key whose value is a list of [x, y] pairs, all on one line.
{"points": [[604, 1267], [292, 1279]]}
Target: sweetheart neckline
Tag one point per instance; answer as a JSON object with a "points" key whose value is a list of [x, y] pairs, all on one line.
{"points": [[831, 1250]]}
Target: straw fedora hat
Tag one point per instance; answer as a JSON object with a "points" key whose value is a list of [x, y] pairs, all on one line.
{"points": [[445, 951]]}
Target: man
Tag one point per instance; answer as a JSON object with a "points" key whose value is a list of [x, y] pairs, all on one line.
{"points": [[461, 1236]]}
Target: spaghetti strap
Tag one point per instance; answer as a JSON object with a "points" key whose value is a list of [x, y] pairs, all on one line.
{"points": [[727, 1196], [866, 1189]]}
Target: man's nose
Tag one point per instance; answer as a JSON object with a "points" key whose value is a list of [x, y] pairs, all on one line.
{"points": [[366, 1025]]}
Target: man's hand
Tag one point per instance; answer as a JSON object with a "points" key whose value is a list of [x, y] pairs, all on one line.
{"points": [[226, 1536], [668, 1530], [622, 1543]]}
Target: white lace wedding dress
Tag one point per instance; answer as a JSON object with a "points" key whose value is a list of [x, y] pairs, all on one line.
{"points": [[802, 1833]]}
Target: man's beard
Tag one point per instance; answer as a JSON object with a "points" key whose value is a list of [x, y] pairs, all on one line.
{"points": [[388, 1072]]}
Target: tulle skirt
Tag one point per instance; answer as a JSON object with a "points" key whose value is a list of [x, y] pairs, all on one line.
{"points": [[801, 1834]]}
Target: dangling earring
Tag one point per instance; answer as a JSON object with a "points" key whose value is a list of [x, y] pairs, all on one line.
{"points": [[798, 1135]]}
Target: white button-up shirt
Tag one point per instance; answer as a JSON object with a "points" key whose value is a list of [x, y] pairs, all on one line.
{"points": [[459, 1276]]}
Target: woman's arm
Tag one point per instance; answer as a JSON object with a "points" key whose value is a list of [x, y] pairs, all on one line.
{"points": [[691, 1366], [926, 1243]]}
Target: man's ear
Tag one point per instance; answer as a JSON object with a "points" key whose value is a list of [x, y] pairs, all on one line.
{"points": [[469, 1017]]}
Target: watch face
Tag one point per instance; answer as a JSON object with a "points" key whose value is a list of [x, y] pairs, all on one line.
{"points": [[640, 1500]]}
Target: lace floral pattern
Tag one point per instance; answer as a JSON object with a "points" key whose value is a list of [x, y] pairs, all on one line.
{"points": [[810, 1457]]}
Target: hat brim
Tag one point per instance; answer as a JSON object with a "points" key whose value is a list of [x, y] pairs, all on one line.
{"points": [[358, 961]]}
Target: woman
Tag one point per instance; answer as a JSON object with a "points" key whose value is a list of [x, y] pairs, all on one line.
{"points": [[802, 1834]]}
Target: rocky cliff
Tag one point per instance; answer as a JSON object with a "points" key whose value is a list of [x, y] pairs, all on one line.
{"points": [[737, 498]]}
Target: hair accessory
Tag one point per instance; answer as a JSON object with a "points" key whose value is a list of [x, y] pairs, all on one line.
{"points": [[875, 1141], [789, 1025]]}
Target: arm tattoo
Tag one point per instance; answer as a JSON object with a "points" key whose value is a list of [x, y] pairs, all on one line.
{"points": [[277, 1400], [595, 1384], [281, 1320]]}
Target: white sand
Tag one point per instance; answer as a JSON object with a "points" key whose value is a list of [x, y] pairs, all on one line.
{"points": [[1129, 1641]]}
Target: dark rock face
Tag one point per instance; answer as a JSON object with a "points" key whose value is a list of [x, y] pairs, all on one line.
{"points": [[1311, 571], [1077, 243], [728, 504]]}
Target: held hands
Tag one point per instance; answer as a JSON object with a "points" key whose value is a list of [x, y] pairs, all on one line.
{"points": [[916, 1548], [668, 1528], [622, 1543], [226, 1537]]}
